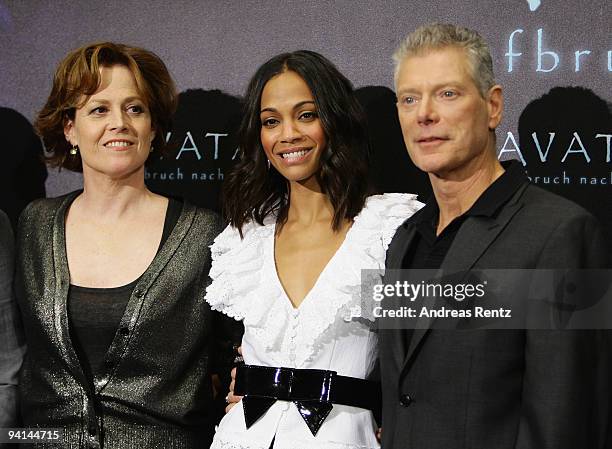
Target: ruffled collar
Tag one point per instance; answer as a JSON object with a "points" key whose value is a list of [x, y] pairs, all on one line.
{"points": [[246, 285]]}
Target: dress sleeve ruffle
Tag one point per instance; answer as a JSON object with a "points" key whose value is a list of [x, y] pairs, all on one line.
{"points": [[236, 266], [245, 288]]}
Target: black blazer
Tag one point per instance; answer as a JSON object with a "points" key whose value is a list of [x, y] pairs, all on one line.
{"points": [[501, 388]]}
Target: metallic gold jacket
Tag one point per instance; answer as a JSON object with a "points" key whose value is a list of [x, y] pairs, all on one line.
{"points": [[155, 391]]}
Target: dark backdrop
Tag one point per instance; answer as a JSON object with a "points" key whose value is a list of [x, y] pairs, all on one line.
{"points": [[553, 58]]}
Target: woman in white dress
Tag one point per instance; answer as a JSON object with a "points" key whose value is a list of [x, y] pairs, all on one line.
{"points": [[289, 264]]}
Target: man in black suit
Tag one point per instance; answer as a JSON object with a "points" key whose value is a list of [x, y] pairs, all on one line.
{"points": [[23, 171], [12, 346], [442, 389]]}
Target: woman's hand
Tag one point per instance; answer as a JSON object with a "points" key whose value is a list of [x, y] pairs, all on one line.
{"points": [[231, 399]]}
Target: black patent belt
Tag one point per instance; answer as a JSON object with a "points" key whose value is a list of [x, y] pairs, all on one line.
{"points": [[313, 392]]}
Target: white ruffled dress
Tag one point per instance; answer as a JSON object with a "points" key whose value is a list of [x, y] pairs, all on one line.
{"points": [[320, 334]]}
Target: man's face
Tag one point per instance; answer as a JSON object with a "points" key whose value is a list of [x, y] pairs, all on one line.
{"points": [[445, 121]]}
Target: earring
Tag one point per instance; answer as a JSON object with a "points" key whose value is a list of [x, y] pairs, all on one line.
{"points": [[74, 150], [151, 150], [268, 164]]}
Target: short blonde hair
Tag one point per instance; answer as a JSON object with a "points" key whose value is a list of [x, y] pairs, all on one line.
{"points": [[436, 36]]}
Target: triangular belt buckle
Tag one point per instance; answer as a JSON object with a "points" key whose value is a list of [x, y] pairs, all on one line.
{"points": [[254, 408], [314, 413]]}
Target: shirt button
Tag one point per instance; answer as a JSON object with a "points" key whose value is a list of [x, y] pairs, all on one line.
{"points": [[124, 331], [139, 293], [405, 400]]}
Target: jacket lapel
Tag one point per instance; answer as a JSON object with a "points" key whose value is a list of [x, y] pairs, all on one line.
{"points": [[139, 301], [397, 249], [399, 245], [472, 241], [60, 289]]}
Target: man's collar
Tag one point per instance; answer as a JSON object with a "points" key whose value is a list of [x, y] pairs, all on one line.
{"points": [[490, 201], [498, 193]]}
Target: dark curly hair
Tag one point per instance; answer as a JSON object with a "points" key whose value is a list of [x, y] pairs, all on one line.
{"points": [[252, 191], [78, 77]]}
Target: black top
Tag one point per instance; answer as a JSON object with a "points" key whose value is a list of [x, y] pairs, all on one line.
{"points": [[94, 313], [427, 250]]}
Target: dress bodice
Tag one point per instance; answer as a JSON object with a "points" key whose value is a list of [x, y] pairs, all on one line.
{"points": [[324, 332]]}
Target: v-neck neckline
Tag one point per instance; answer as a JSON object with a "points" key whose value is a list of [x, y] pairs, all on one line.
{"points": [[135, 305], [271, 260]]}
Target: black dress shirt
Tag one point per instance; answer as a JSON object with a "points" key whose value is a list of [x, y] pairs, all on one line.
{"points": [[428, 250]]}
